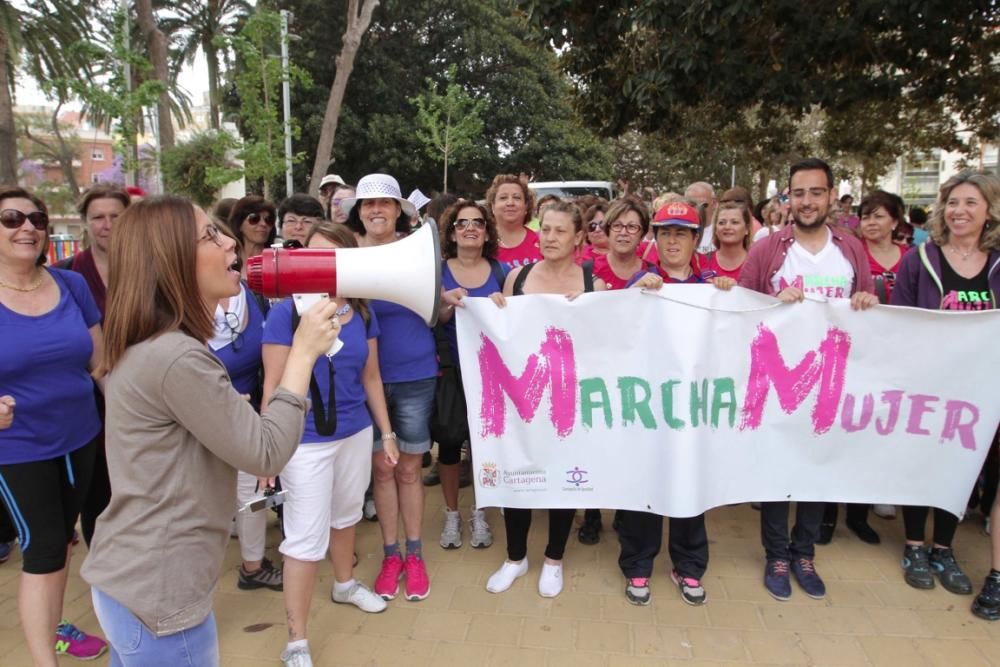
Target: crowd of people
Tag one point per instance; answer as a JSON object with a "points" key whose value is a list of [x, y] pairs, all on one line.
{"points": [[149, 393]]}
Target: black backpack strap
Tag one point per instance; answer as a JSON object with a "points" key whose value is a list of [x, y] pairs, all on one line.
{"points": [[519, 280], [499, 274], [588, 276], [324, 416], [265, 305]]}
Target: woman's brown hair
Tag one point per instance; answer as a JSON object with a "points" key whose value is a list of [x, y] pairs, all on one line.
{"points": [[340, 234], [15, 192], [503, 179], [747, 222], [449, 247], [153, 281], [101, 191]]}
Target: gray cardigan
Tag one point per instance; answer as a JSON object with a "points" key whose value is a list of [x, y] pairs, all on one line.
{"points": [[176, 433]]}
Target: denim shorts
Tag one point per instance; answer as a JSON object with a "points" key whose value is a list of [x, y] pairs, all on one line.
{"points": [[133, 645], [410, 405]]}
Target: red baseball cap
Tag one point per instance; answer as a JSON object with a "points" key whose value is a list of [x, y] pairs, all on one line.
{"points": [[677, 214]]}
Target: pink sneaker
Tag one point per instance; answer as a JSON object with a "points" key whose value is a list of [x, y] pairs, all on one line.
{"points": [[418, 584], [73, 642], [387, 581]]}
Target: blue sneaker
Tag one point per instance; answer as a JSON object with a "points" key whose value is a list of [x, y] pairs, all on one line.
{"points": [[808, 578], [5, 549], [776, 579]]}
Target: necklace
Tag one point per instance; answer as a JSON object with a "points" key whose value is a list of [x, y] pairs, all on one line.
{"points": [[963, 255], [343, 310], [30, 288]]}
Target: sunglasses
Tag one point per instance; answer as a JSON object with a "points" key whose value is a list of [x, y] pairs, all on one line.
{"points": [[13, 219], [464, 223], [594, 226], [255, 218]]}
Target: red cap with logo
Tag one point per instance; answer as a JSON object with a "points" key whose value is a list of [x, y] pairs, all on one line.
{"points": [[677, 214]]}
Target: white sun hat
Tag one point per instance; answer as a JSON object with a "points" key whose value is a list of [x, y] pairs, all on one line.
{"points": [[378, 186]]}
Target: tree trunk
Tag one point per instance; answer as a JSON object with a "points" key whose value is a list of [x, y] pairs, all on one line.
{"points": [[157, 44], [212, 56], [8, 130], [66, 155], [357, 25]]}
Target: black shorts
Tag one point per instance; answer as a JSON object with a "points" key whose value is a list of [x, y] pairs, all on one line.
{"points": [[44, 500]]}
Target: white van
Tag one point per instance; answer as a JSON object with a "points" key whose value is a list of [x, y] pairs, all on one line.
{"points": [[573, 189]]}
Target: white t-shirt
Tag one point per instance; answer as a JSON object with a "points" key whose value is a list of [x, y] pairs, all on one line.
{"points": [[827, 273], [706, 246]]}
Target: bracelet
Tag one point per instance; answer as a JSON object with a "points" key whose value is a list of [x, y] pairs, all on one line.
{"points": [[391, 435]]}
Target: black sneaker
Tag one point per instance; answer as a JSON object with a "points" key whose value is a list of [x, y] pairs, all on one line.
{"points": [[917, 567], [987, 603], [268, 576], [637, 591], [691, 589], [943, 564], [805, 573], [590, 529], [864, 532], [433, 477], [826, 533]]}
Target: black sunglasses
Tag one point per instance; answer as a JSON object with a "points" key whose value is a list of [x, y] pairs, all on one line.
{"points": [[254, 218], [594, 226], [13, 219]]}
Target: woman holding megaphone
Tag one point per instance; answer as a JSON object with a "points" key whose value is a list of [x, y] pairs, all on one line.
{"points": [[177, 432], [379, 215]]}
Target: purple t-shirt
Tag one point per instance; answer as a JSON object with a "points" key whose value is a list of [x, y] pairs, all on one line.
{"points": [[348, 364], [449, 283], [44, 363], [243, 364], [406, 349]]}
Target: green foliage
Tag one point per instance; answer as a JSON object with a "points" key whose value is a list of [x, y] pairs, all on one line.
{"points": [[529, 124], [449, 124], [258, 84], [199, 167]]}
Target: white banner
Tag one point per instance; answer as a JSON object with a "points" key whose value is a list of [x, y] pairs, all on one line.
{"points": [[693, 398]]}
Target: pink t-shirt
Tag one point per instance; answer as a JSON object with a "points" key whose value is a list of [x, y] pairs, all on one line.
{"points": [[526, 252], [603, 270], [710, 263]]}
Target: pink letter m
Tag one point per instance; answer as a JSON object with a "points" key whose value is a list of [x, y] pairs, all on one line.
{"points": [[792, 385], [554, 366]]}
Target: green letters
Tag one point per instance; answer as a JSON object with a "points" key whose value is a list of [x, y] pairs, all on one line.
{"points": [[632, 405], [588, 403]]}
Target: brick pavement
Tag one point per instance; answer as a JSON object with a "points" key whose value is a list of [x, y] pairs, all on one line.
{"points": [[870, 617]]}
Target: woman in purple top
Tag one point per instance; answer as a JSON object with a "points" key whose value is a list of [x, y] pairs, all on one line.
{"points": [[379, 215], [469, 243], [51, 333], [327, 476], [957, 268]]}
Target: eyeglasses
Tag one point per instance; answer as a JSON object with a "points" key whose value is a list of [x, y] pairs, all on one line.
{"points": [[255, 218], [593, 226], [213, 234], [464, 223], [233, 324], [13, 219], [631, 228]]}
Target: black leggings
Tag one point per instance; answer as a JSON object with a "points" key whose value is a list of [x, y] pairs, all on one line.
{"points": [[915, 517], [98, 495], [518, 523], [44, 500]]}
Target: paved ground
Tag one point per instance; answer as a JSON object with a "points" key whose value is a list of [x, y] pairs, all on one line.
{"points": [[870, 617]]}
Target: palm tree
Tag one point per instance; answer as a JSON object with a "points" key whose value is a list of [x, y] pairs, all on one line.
{"points": [[197, 24], [36, 38]]}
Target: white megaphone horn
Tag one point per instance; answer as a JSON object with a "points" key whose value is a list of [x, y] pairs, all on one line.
{"points": [[406, 272]]}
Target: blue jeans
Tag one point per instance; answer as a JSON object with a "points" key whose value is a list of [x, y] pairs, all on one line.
{"points": [[133, 645], [410, 405]]}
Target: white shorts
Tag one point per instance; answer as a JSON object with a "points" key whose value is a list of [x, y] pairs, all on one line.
{"points": [[326, 485]]}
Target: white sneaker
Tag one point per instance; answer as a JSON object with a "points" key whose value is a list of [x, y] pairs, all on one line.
{"points": [[369, 509], [504, 578], [361, 597], [480, 534], [296, 657], [884, 511], [550, 581], [451, 534]]}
